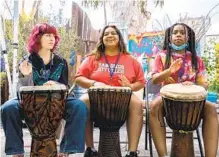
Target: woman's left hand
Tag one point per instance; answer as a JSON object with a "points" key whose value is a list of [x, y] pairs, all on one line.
{"points": [[188, 83], [124, 81], [50, 83], [169, 80]]}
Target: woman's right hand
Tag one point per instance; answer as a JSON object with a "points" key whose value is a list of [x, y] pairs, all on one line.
{"points": [[50, 82], [25, 68], [99, 84], [176, 65]]}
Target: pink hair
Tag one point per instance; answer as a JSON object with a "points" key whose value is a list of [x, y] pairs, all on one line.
{"points": [[33, 44]]}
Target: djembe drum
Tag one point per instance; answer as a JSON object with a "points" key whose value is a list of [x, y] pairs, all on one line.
{"points": [[183, 105], [43, 110], [109, 111]]}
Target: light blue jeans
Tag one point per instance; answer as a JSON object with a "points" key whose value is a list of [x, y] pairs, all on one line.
{"points": [[74, 132]]}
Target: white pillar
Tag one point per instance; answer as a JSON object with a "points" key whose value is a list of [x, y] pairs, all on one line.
{"points": [[15, 46]]}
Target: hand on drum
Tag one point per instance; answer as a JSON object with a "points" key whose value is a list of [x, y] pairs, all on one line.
{"points": [[99, 84], [49, 83], [169, 80], [25, 68], [176, 65], [124, 81], [187, 83]]}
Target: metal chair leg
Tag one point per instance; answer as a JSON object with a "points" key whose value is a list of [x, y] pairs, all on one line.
{"points": [[146, 130], [150, 143], [149, 135], [199, 142]]}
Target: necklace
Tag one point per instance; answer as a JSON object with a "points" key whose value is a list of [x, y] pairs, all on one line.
{"points": [[111, 70]]}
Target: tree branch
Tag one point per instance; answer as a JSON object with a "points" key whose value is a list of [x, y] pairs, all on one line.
{"points": [[8, 8]]}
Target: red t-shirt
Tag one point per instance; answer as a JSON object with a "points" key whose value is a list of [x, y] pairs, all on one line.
{"points": [[98, 70]]}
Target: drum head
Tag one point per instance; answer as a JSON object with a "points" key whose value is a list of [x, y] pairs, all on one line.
{"points": [[53, 88], [181, 92]]}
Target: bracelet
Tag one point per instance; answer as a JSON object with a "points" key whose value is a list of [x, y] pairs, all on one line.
{"points": [[93, 84]]}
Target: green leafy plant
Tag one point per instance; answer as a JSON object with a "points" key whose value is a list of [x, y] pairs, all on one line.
{"points": [[3, 78], [209, 58]]}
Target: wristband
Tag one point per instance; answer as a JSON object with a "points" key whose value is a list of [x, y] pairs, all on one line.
{"points": [[93, 83]]}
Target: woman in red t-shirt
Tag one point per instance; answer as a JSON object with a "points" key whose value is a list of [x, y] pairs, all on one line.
{"points": [[178, 63], [111, 64]]}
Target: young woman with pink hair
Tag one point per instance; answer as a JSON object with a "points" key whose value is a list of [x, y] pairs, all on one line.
{"points": [[44, 67]]}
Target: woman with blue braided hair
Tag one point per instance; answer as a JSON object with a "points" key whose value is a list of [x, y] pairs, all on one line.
{"points": [[179, 63]]}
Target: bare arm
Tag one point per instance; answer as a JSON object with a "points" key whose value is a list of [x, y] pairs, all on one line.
{"points": [[125, 83], [160, 77], [25, 74], [84, 82], [174, 67], [204, 84], [87, 83], [136, 86]]}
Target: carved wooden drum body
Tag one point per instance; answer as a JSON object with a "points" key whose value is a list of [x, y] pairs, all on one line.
{"points": [[183, 105], [109, 111], [43, 109]]}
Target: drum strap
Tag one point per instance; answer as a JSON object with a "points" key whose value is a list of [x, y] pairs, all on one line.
{"points": [[112, 70]]}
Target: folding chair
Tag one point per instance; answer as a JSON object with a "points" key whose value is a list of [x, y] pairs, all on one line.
{"points": [[151, 90]]}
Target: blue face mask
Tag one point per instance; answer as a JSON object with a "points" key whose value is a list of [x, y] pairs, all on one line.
{"points": [[178, 48]]}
